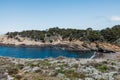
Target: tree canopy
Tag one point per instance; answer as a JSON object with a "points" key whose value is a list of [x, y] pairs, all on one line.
{"points": [[108, 34]]}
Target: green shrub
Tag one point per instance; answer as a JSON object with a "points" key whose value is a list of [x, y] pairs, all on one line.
{"points": [[103, 68], [12, 71]]}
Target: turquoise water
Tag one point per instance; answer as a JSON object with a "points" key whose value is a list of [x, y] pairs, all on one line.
{"points": [[46, 52]]}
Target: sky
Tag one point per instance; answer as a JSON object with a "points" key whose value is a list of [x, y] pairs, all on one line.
{"points": [[18, 15]]}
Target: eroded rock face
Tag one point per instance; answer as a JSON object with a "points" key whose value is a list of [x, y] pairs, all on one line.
{"points": [[69, 45], [108, 47]]}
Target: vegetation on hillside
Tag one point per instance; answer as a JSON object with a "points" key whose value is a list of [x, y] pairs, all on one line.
{"points": [[111, 35]]}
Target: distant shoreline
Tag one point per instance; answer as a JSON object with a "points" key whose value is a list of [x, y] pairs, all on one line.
{"points": [[64, 47]]}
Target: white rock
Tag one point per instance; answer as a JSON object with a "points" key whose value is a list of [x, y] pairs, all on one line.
{"points": [[35, 69], [60, 75], [89, 78]]}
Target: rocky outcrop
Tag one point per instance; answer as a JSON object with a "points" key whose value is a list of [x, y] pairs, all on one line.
{"points": [[106, 47]]}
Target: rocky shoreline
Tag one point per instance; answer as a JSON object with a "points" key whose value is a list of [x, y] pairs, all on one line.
{"points": [[78, 46], [67, 46], [60, 46]]}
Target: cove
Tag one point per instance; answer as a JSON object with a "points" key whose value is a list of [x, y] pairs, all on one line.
{"points": [[45, 52]]}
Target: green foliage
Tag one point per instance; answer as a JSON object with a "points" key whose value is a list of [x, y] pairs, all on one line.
{"points": [[108, 34], [95, 36], [12, 71], [71, 73], [102, 79], [111, 34], [102, 68]]}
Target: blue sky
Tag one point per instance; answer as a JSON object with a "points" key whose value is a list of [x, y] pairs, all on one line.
{"points": [[18, 15]]}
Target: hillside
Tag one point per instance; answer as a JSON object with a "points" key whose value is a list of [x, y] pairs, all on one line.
{"points": [[109, 35]]}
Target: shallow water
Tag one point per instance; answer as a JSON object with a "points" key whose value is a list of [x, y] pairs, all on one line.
{"points": [[46, 52]]}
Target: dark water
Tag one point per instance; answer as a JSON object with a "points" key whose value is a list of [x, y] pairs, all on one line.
{"points": [[20, 52]]}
